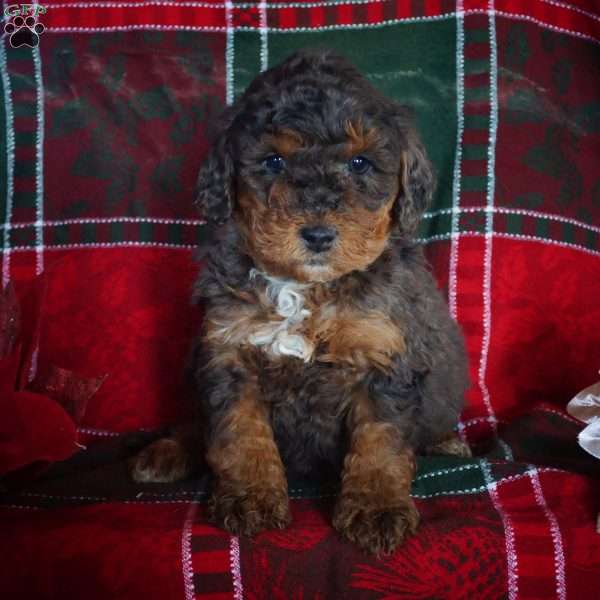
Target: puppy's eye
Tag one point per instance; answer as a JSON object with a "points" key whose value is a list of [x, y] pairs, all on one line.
{"points": [[359, 165], [274, 164]]}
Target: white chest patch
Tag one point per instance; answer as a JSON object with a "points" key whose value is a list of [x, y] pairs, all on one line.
{"points": [[277, 337]]}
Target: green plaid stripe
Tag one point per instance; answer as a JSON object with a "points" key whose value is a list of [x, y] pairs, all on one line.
{"points": [[477, 66], [474, 152], [501, 470], [20, 75], [110, 233], [180, 233], [548, 227], [5, 131], [472, 221], [474, 176], [437, 476], [435, 225], [246, 65], [176, 233], [471, 172], [516, 222], [441, 476]]}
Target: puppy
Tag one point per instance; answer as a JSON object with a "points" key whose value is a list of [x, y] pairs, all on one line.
{"points": [[326, 346]]}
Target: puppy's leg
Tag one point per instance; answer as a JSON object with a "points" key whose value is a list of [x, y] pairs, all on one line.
{"points": [[167, 459], [375, 509], [251, 490], [449, 445]]}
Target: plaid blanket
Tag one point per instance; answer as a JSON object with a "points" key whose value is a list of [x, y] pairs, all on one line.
{"points": [[106, 112]]}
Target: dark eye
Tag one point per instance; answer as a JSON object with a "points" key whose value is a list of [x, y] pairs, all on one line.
{"points": [[274, 164], [359, 165]]}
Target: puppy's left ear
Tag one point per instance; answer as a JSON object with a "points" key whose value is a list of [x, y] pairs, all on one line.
{"points": [[416, 184], [216, 183]]}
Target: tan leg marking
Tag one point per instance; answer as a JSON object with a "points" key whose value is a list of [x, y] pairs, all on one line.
{"points": [[375, 509], [251, 491], [450, 445], [164, 461]]}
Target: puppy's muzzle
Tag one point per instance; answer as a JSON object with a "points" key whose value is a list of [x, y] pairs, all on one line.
{"points": [[318, 238]]}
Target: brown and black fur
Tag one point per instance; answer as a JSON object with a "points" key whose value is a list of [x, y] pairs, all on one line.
{"points": [[387, 374]]}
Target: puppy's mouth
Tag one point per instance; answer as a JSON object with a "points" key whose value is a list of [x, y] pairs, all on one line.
{"points": [[317, 261], [317, 269], [319, 242]]}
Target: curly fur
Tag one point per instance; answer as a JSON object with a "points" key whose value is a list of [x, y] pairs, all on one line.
{"points": [[366, 367]]}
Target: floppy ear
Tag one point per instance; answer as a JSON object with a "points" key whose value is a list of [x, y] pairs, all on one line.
{"points": [[216, 183], [416, 184]]}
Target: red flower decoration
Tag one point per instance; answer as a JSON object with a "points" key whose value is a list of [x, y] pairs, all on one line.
{"points": [[38, 421]]}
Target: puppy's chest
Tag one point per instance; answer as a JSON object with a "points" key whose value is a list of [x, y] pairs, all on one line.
{"points": [[311, 324]]}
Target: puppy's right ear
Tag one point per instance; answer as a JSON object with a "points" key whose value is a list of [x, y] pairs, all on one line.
{"points": [[216, 183]]}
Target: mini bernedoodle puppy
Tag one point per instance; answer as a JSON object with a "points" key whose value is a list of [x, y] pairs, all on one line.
{"points": [[325, 343]]}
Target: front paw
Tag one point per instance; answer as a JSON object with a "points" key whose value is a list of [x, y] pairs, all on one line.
{"points": [[452, 445], [249, 511], [376, 528], [163, 461]]}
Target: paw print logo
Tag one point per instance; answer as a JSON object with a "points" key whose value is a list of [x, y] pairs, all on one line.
{"points": [[24, 32]]}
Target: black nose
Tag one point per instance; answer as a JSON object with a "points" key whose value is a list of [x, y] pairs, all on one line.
{"points": [[318, 238]]}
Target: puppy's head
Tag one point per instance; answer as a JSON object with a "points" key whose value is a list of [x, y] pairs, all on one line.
{"points": [[317, 170]]}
